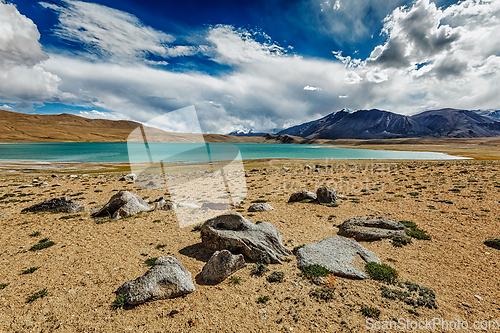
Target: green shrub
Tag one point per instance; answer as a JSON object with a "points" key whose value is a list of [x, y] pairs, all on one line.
{"points": [[323, 293], [259, 269], [370, 312], [264, 259], [308, 201], [259, 201], [494, 243], [35, 234], [150, 261], [276, 277], [414, 231], [399, 241], [119, 302], [39, 294], [418, 234], [234, 280], [29, 270], [409, 224], [414, 295], [3, 285], [263, 299], [315, 270], [42, 244], [381, 272]]}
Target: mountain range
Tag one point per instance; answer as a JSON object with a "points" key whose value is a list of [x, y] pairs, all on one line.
{"points": [[343, 124], [379, 124]]}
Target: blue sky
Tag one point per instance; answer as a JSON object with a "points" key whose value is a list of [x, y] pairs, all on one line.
{"points": [[258, 65]]}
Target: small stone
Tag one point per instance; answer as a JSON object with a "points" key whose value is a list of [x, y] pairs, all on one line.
{"points": [[123, 204], [260, 207], [307, 167], [129, 177], [164, 205], [263, 312], [221, 265], [467, 305], [371, 228], [302, 195], [326, 195], [318, 281], [478, 297], [167, 278]]}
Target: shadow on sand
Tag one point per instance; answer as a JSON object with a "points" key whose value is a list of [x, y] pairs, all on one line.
{"points": [[197, 251]]}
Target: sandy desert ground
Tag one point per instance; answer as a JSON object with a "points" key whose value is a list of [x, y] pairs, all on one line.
{"points": [[456, 202]]}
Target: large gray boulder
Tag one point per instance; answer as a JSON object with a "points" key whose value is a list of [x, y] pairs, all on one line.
{"points": [[221, 265], [337, 254], [123, 204], [302, 195], [167, 278], [63, 205], [326, 195], [371, 228], [260, 207], [233, 232]]}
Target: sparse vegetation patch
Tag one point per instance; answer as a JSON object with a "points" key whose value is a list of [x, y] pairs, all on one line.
{"points": [[411, 294], [42, 244], [381, 272], [323, 293]]}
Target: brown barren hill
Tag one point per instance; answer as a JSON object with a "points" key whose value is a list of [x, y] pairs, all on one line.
{"points": [[22, 127]]}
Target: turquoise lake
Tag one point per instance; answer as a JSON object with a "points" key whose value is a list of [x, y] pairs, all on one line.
{"points": [[193, 152]]}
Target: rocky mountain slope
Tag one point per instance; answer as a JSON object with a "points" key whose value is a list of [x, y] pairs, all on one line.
{"points": [[379, 124]]}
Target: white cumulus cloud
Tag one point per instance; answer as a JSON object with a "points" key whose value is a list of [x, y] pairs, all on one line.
{"points": [[23, 79], [433, 57], [233, 46], [110, 32], [310, 88], [18, 39], [94, 114]]}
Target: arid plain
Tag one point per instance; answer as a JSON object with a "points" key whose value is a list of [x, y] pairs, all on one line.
{"points": [[455, 202]]}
